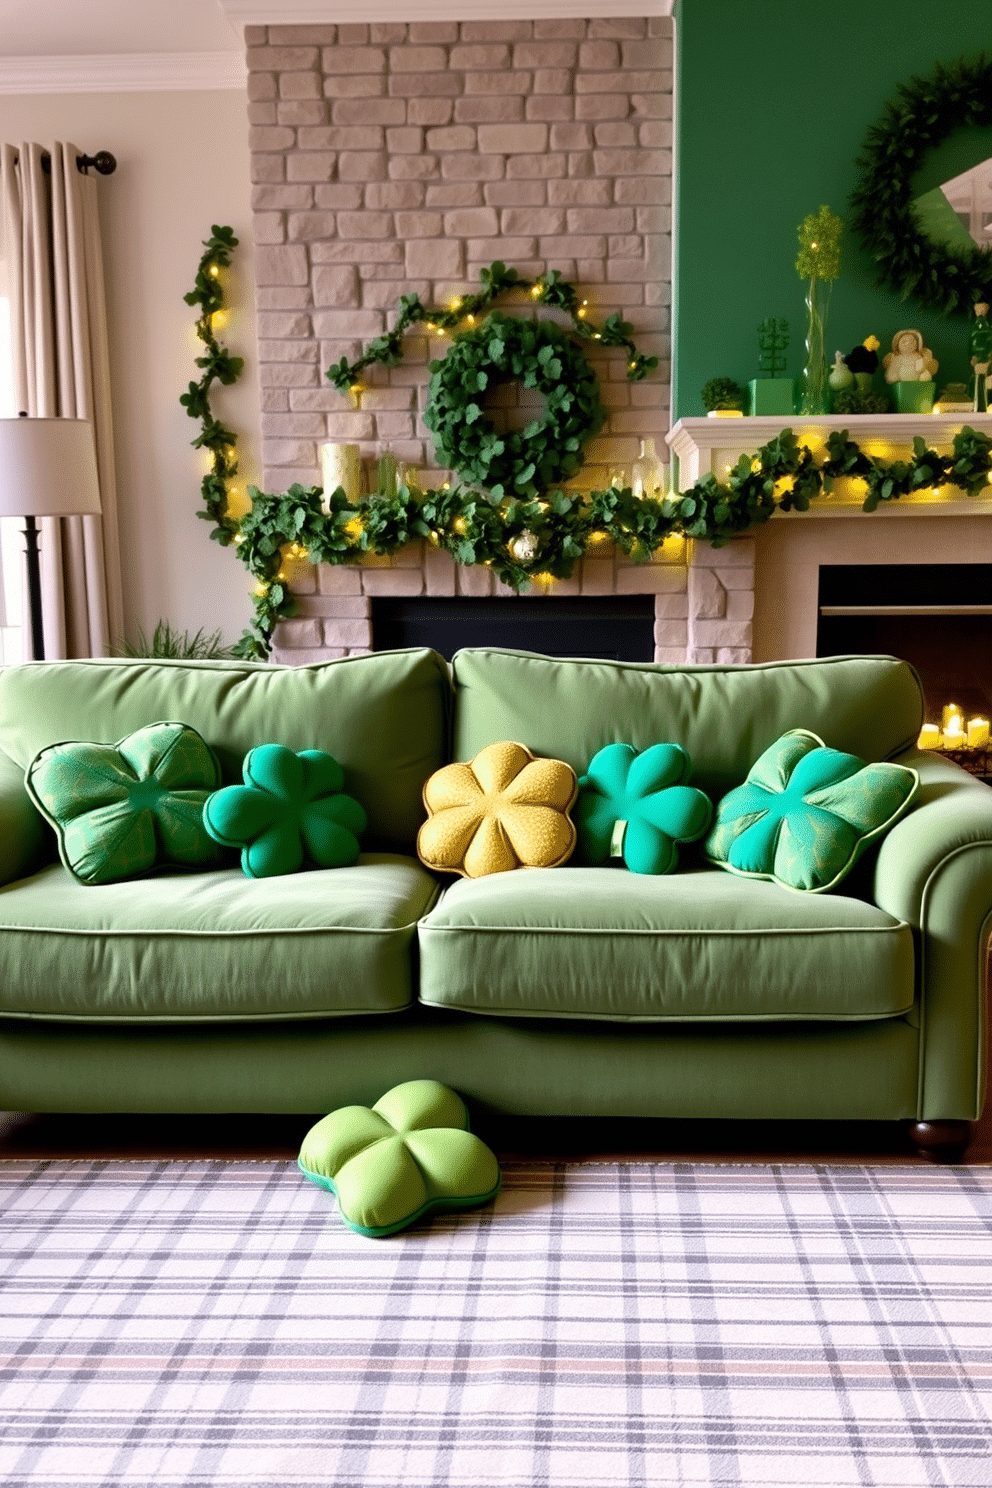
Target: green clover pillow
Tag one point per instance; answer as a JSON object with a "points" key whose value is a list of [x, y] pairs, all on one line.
{"points": [[637, 806], [122, 810], [290, 809], [806, 813], [409, 1155]]}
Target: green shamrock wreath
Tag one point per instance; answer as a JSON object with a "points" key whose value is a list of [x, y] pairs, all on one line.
{"points": [[637, 806], [291, 808], [549, 449]]}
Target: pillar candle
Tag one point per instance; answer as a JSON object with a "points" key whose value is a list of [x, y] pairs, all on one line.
{"points": [[929, 737], [341, 466], [978, 733], [954, 736], [952, 718]]}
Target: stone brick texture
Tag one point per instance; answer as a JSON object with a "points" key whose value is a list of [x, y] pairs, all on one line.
{"points": [[397, 157]]}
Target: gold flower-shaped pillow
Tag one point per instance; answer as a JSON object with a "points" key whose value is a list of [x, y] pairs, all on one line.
{"points": [[504, 810]]}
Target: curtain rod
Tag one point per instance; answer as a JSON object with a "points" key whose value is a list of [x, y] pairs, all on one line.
{"points": [[102, 161]]}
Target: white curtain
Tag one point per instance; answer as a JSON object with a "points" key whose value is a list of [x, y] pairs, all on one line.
{"points": [[51, 237]]}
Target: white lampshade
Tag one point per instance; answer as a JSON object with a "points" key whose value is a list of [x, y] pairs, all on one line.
{"points": [[48, 468]]}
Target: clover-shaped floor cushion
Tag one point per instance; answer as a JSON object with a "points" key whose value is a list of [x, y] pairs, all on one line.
{"points": [[806, 813], [504, 810], [408, 1155], [637, 806], [124, 809], [290, 809]]}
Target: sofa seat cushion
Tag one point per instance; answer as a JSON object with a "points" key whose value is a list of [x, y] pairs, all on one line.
{"points": [[214, 946], [601, 943]]}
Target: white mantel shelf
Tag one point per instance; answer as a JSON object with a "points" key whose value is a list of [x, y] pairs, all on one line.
{"points": [[704, 445]]}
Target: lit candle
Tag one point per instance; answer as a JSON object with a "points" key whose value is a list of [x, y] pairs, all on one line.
{"points": [[952, 718], [929, 737], [978, 733], [954, 736]]}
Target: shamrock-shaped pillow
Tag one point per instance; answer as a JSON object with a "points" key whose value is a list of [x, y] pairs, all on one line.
{"points": [[124, 809], [806, 813], [637, 806], [505, 810], [290, 808], [408, 1155]]}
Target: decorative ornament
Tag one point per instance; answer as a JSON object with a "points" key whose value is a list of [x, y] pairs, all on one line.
{"points": [[909, 360], [925, 112], [549, 449], [525, 547], [840, 375], [981, 355], [773, 341], [818, 262]]}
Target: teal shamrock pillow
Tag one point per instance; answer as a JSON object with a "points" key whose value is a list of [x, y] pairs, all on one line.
{"points": [[806, 813], [637, 806], [410, 1154], [121, 810], [291, 808]]}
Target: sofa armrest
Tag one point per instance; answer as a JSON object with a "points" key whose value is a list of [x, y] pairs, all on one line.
{"points": [[934, 870], [24, 835]]}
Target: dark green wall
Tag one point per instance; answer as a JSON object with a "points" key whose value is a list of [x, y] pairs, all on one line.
{"points": [[775, 99]]}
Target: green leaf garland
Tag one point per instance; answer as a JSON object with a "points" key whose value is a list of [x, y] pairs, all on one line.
{"points": [[496, 280], [218, 366]]}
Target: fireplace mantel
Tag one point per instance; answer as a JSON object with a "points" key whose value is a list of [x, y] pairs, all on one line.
{"points": [[789, 550], [704, 445]]}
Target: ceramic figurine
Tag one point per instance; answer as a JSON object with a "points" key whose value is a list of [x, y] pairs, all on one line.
{"points": [[863, 362], [909, 360], [840, 375], [981, 356]]}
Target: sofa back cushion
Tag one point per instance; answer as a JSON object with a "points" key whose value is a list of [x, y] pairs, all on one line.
{"points": [[725, 716], [383, 717]]}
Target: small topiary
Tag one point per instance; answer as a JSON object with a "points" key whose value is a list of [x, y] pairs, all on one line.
{"points": [[723, 392]]}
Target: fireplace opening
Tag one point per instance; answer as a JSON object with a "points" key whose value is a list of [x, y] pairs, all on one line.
{"points": [[937, 616], [602, 628]]}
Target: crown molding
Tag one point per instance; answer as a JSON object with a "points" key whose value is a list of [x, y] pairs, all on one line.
{"points": [[327, 12], [129, 72]]}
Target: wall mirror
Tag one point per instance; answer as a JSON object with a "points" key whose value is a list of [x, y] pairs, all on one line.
{"points": [[931, 245]]}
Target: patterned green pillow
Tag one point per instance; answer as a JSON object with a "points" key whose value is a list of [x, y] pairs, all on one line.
{"points": [[806, 813], [409, 1155], [290, 809], [122, 810], [637, 806]]}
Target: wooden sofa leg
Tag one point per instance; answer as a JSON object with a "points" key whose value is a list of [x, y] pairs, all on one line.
{"points": [[940, 1141]]}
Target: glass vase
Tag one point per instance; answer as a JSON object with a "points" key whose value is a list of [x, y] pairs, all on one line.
{"points": [[815, 394]]}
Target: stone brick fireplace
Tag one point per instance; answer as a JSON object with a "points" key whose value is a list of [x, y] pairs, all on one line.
{"points": [[397, 156]]}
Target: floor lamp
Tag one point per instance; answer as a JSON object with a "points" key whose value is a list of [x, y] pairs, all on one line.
{"points": [[47, 469]]}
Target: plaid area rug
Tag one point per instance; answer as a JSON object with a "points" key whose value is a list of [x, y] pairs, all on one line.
{"points": [[605, 1324]]}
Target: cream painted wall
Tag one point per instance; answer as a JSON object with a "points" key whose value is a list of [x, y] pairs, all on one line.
{"points": [[182, 165]]}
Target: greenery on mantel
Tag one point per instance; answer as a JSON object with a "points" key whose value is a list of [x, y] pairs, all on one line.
{"points": [[554, 531], [527, 540]]}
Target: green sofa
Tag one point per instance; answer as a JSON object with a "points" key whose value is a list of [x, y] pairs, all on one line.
{"points": [[569, 991]]}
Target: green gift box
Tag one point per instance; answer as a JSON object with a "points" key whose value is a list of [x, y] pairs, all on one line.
{"points": [[770, 395], [913, 397]]}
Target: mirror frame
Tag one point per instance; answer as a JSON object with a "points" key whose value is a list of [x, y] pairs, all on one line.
{"points": [[925, 112]]}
